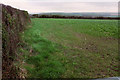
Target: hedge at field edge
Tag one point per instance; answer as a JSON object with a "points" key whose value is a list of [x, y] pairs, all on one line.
{"points": [[14, 22]]}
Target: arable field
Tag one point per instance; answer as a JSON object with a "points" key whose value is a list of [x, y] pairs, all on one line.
{"points": [[71, 48]]}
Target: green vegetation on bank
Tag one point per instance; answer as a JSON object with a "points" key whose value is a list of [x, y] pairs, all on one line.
{"points": [[71, 48], [44, 63]]}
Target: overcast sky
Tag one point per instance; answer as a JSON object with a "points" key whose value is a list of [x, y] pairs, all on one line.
{"points": [[41, 6]]}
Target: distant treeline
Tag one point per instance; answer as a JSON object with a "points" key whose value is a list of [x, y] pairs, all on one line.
{"points": [[70, 17]]}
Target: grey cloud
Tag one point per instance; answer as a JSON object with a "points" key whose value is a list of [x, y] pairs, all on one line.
{"points": [[75, 6], [39, 7]]}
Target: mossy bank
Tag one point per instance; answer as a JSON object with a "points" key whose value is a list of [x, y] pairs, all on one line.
{"points": [[14, 22]]}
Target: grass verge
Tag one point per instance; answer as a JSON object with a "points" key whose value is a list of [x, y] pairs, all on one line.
{"points": [[39, 56]]}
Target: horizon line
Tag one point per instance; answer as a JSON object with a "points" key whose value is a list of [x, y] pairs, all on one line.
{"points": [[71, 12]]}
